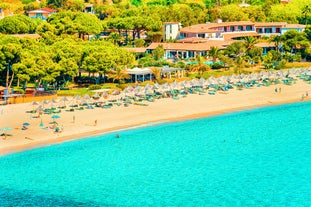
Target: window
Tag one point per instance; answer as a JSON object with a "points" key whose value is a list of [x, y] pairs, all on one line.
{"points": [[278, 30], [249, 28]]}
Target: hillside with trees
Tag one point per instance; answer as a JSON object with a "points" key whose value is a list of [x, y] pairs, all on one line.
{"points": [[70, 40]]}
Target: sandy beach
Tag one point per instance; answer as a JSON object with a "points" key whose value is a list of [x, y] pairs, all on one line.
{"points": [[79, 124]]}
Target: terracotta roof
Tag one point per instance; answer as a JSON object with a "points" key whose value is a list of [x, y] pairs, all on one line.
{"points": [[192, 30], [26, 35], [43, 10], [212, 27], [293, 26], [231, 35], [270, 24], [193, 40], [204, 46], [135, 49], [265, 44], [171, 22]]}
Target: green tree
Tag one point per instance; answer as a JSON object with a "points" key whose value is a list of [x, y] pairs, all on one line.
{"points": [[236, 49], [158, 53], [232, 12], [10, 55], [306, 12], [18, 24], [200, 67], [214, 53], [294, 40], [119, 75], [268, 61], [277, 40], [115, 37], [249, 43]]}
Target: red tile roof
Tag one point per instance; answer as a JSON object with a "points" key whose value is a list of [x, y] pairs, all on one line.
{"points": [[269, 24], [293, 26], [231, 35], [212, 27], [265, 44], [26, 35], [43, 10], [204, 46], [135, 49], [192, 40]]}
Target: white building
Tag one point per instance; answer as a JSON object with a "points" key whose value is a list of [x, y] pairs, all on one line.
{"points": [[171, 30]]}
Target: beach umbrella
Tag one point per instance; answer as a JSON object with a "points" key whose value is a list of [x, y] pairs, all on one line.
{"points": [[4, 130], [41, 123], [33, 104], [55, 117], [52, 102], [115, 92], [64, 99], [96, 96], [26, 124]]}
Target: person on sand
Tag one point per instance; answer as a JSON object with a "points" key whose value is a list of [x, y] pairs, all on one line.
{"points": [[307, 94], [57, 129], [279, 90], [73, 119], [302, 97], [95, 123], [276, 90]]}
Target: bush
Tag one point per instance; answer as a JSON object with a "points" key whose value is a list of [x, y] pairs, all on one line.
{"points": [[94, 87], [216, 66], [19, 91]]}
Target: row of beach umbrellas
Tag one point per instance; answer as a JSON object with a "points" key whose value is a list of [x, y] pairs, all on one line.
{"points": [[130, 91]]}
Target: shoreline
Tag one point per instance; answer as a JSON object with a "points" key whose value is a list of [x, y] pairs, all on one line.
{"points": [[158, 112]]}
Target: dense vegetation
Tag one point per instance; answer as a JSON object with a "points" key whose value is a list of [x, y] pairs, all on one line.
{"points": [[64, 49]]}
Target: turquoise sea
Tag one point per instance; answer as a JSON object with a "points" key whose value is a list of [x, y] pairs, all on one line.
{"points": [[258, 157]]}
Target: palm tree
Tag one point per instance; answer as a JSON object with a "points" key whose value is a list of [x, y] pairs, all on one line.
{"points": [[305, 12], [250, 42], [200, 67], [277, 39], [156, 72], [119, 75], [214, 53]]}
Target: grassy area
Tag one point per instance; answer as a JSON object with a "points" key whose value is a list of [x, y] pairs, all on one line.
{"points": [[73, 92], [298, 65]]}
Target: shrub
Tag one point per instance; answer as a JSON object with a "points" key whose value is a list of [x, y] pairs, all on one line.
{"points": [[19, 91], [94, 87]]}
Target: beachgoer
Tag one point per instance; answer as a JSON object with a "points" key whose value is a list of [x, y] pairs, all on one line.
{"points": [[117, 136], [276, 90], [73, 119], [279, 90], [307, 93], [302, 97], [57, 129], [95, 122]]}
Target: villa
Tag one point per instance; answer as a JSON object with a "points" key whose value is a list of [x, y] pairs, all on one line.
{"points": [[42, 13], [198, 39]]}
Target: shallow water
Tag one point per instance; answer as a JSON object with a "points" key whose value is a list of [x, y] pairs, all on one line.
{"points": [[252, 158]]}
